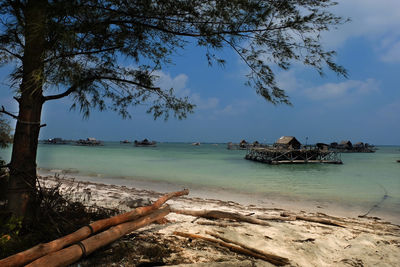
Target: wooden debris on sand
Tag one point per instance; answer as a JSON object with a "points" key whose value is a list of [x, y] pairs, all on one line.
{"points": [[239, 248], [217, 214], [40, 250]]}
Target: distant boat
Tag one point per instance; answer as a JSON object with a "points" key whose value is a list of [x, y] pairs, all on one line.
{"points": [[91, 141], [196, 144], [55, 141], [125, 142], [144, 143]]}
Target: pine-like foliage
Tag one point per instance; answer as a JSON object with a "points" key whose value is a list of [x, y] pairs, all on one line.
{"points": [[86, 41]]}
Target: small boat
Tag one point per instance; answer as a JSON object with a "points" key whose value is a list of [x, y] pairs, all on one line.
{"points": [[196, 144], [125, 142], [144, 143], [91, 141], [55, 141]]}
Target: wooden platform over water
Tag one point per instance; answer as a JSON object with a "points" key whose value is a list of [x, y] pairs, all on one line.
{"points": [[293, 156]]}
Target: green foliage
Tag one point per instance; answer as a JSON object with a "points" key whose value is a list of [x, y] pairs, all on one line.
{"points": [[5, 132], [85, 42]]}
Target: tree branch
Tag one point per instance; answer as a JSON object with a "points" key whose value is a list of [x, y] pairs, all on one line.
{"points": [[8, 113], [97, 77], [58, 96], [84, 53], [11, 53]]}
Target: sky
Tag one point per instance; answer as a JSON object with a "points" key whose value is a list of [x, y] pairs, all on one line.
{"points": [[364, 107]]}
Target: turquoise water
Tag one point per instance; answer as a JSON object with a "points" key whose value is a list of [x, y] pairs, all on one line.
{"points": [[364, 178]]}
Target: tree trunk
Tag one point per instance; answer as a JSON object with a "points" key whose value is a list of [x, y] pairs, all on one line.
{"points": [[22, 184]]}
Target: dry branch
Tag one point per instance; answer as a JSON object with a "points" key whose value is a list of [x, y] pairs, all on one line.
{"points": [[73, 253], [234, 248], [290, 217], [218, 224], [275, 218], [319, 220], [273, 258], [55, 245], [216, 214]]}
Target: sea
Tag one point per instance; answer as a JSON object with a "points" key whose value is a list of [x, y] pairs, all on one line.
{"points": [[365, 184]]}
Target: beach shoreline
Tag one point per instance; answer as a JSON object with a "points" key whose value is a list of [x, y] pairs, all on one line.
{"points": [[362, 241], [277, 201]]}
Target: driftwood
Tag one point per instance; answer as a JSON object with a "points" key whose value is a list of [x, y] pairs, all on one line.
{"points": [[216, 214], [218, 224], [40, 250], [319, 220], [235, 248], [273, 258], [275, 218], [289, 217], [73, 253]]}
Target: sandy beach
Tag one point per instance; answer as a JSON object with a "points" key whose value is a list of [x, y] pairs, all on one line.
{"points": [[367, 241]]}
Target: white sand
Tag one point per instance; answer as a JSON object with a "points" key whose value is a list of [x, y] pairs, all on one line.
{"points": [[362, 242]]}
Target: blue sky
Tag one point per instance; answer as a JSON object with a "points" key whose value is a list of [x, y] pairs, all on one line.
{"points": [[364, 107]]}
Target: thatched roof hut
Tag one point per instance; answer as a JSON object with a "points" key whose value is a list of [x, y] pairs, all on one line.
{"points": [[288, 142], [346, 144], [334, 145], [322, 146], [359, 145]]}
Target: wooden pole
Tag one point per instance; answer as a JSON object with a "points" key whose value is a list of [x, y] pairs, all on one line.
{"points": [[40, 250], [73, 253], [273, 258], [237, 249]]}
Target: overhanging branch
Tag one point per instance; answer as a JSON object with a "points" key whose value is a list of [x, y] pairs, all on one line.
{"points": [[58, 96], [8, 113], [98, 77]]}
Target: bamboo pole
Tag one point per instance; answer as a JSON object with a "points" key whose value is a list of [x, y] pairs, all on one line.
{"points": [[40, 250], [73, 253]]}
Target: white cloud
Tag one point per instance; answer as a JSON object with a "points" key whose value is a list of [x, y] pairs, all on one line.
{"points": [[165, 81], [287, 81], [209, 103], [343, 90], [369, 18], [376, 21], [179, 83]]}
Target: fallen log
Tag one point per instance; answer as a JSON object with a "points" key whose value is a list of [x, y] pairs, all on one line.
{"points": [[73, 253], [273, 258], [40, 250], [231, 247], [216, 214]]}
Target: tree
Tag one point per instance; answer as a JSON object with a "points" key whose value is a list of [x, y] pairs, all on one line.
{"points": [[71, 48]]}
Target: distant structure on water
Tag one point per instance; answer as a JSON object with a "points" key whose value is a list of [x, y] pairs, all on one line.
{"points": [[55, 141], [91, 141], [125, 142], [288, 150], [144, 143], [243, 145], [347, 147]]}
